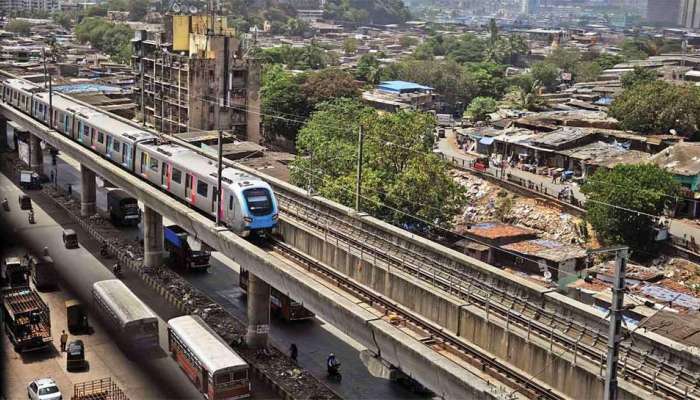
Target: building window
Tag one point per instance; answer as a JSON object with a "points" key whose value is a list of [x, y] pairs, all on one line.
{"points": [[176, 175], [202, 188]]}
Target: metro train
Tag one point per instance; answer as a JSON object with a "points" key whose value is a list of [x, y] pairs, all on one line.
{"points": [[248, 203]]}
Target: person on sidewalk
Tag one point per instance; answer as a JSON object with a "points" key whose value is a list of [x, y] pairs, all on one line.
{"points": [[64, 340], [293, 352]]}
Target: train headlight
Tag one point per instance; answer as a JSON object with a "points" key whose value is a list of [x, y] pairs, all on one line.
{"points": [[247, 220]]}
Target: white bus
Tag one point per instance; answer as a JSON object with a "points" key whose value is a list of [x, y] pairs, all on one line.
{"points": [[216, 370], [136, 324]]}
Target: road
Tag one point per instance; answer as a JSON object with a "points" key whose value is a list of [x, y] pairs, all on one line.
{"points": [[79, 269], [315, 338]]}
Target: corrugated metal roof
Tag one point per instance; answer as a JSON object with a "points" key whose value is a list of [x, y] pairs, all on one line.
{"points": [[400, 86], [496, 230]]}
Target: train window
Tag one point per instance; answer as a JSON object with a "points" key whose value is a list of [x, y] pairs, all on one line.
{"points": [[100, 137], [230, 203], [222, 378], [239, 375], [176, 176], [109, 142], [143, 161], [153, 164], [116, 145], [86, 131], [202, 188]]}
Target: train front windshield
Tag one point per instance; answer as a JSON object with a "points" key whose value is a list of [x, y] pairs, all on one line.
{"points": [[259, 201]]}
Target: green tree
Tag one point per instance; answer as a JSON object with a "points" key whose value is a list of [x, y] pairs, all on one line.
{"points": [[137, 9], [638, 75], [329, 84], [63, 19], [296, 27], [105, 36], [400, 172], [525, 95], [612, 193], [350, 45], [407, 41], [607, 60], [283, 106], [368, 69], [587, 71], [367, 11], [657, 107], [20, 27], [546, 73], [480, 108], [564, 58]]}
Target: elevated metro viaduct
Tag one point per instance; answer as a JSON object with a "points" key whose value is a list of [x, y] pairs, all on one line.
{"points": [[441, 375], [412, 358]]}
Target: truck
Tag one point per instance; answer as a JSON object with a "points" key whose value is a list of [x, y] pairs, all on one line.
{"points": [[180, 253], [27, 319], [43, 272], [123, 209], [98, 389], [15, 272]]}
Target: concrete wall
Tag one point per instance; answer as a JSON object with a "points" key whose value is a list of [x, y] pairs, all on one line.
{"points": [[506, 341]]}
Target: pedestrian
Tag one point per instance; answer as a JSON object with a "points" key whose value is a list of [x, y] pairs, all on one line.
{"points": [[293, 352], [52, 177], [64, 340], [70, 190]]}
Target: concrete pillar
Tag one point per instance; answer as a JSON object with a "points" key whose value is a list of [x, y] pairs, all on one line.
{"points": [[152, 238], [88, 192], [36, 157], [258, 312]]}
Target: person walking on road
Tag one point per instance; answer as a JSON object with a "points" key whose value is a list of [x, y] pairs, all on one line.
{"points": [[293, 352], [64, 340]]}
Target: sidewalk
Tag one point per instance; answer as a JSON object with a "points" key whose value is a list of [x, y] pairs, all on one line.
{"points": [[682, 229]]}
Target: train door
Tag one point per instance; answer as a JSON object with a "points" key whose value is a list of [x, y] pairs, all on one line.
{"points": [[126, 155], [79, 136], [205, 381], [189, 183], [214, 194], [108, 150], [144, 162], [164, 169]]}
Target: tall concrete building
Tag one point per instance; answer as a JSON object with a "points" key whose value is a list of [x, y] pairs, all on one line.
{"points": [[689, 15], [665, 12], [194, 75], [11, 6]]}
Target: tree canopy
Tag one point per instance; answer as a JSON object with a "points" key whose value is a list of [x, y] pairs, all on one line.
{"points": [[645, 188], [547, 73], [367, 11], [311, 56], [400, 172], [112, 39], [638, 75], [20, 27], [657, 107], [480, 108]]}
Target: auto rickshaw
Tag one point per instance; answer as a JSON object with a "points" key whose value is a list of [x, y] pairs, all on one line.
{"points": [[77, 317], [70, 239], [25, 202]]}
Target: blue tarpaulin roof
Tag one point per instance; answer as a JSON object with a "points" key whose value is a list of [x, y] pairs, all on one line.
{"points": [[88, 87], [486, 140], [401, 86]]}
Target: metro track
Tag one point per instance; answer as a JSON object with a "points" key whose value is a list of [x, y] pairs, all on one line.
{"points": [[648, 371]]}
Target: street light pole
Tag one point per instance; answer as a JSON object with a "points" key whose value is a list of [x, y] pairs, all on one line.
{"points": [[358, 188], [614, 336], [219, 191]]}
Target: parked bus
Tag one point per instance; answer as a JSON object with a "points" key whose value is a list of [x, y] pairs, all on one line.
{"points": [[216, 370], [135, 324]]}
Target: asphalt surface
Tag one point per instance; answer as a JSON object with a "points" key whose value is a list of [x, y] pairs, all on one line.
{"points": [[79, 269], [314, 338]]}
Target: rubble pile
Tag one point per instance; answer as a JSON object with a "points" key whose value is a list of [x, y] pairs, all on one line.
{"points": [[488, 202], [681, 275]]}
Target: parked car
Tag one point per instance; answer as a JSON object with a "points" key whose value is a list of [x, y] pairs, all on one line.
{"points": [[75, 355], [43, 389]]}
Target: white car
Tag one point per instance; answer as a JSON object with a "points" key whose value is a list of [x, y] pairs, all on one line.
{"points": [[44, 389]]}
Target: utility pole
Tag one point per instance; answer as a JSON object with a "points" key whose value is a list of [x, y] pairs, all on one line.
{"points": [[143, 104], [616, 310], [219, 191], [358, 190]]}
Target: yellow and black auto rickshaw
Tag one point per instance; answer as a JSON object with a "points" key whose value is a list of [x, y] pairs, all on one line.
{"points": [[77, 317]]}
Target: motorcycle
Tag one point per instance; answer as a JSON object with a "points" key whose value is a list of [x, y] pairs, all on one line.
{"points": [[30, 217], [104, 250], [5, 204], [117, 270], [334, 374]]}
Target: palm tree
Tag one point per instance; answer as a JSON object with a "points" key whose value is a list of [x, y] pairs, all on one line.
{"points": [[527, 96]]}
